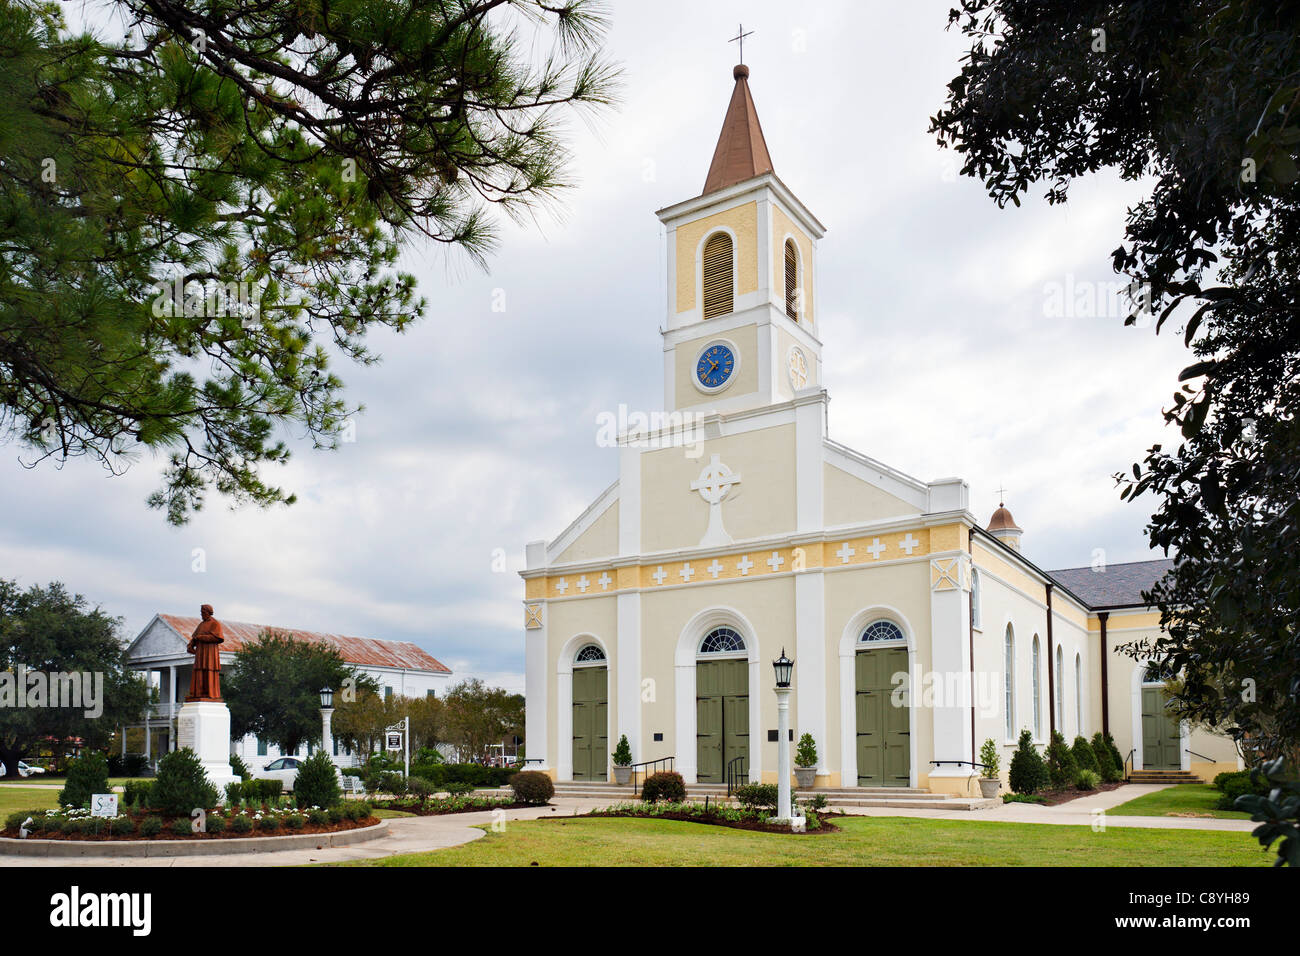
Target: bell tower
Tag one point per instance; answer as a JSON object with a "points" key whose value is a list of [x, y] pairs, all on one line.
{"points": [[741, 330]]}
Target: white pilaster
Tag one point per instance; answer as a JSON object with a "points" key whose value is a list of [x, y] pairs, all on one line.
{"points": [[627, 663], [950, 660], [810, 658]]}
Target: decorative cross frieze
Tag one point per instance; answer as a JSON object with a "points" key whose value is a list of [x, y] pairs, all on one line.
{"points": [[744, 564], [714, 569], [909, 544], [604, 581], [775, 561], [659, 575], [686, 572], [876, 549], [845, 552], [583, 584], [561, 585]]}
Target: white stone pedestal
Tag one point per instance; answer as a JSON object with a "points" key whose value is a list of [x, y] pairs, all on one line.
{"points": [[204, 727]]}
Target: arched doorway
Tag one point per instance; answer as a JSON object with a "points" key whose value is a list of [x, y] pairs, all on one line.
{"points": [[721, 705], [590, 714], [883, 717]]}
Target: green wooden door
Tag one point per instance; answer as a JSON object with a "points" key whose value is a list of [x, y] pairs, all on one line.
{"points": [[590, 723], [884, 732], [721, 717], [1161, 740]]}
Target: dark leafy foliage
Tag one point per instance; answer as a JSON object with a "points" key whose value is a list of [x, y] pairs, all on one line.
{"points": [[1278, 813], [1028, 772], [182, 786], [666, 785], [317, 783], [87, 775], [532, 786]]}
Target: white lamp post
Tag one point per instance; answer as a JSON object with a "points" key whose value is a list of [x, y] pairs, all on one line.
{"points": [[784, 667], [326, 711]]}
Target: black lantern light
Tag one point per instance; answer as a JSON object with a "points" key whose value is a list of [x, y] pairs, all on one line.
{"points": [[326, 697], [784, 667]]}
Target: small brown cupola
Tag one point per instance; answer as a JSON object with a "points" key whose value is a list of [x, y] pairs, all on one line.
{"points": [[1003, 527]]}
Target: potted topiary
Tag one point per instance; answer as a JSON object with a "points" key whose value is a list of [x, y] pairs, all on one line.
{"points": [[805, 762], [990, 782], [622, 762]]}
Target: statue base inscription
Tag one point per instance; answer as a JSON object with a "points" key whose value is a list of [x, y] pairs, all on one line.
{"points": [[204, 727]]}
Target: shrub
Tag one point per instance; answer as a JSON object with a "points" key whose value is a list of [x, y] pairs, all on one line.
{"points": [[419, 788], [666, 785], [1061, 767], [457, 789], [241, 824], [1085, 779], [88, 774], [317, 783], [15, 820], [390, 782], [239, 768], [990, 758], [359, 810], [1028, 772], [182, 827], [294, 821], [1115, 755], [756, 796], [623, 753], [182, 785], [78, 826], [319, 817], [234, 793], [121, 826], [151, 826], [1238, 784], [338, 814], [1106, 766], [127, 765], [805, 755], [216, 823], [532, 786], [269, 823], [1084, 758], [137, 793]]}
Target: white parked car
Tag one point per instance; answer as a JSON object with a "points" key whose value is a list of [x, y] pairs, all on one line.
{"points": [[23, 770], [284, 769]]}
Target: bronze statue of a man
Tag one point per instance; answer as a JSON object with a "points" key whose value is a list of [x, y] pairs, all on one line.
{"points": [[205, 681]]}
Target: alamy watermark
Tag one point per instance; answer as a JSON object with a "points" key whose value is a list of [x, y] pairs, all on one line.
{"points": [[80, 690]]}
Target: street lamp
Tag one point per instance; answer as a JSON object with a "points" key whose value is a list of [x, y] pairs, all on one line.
{"points": [[784, 668], [326, 709]]}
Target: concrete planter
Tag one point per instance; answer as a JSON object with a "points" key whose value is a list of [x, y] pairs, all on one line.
{"points": [[805, 776], [989, 787], [622, 775], [10, 846]]}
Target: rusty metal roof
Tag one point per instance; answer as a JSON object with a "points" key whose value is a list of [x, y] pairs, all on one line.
{"points": [[362, 651], [741, 152]]}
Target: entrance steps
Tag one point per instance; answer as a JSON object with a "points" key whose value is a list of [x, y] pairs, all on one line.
{"points": [[1163, 776], [842, 797]]}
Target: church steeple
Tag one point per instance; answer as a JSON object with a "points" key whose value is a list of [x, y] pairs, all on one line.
{"points": [[741, 152]]}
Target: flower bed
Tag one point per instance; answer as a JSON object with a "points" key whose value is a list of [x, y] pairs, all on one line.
{"points": [[436, 806], [737, 818], [1052, 798], [220, 823]]}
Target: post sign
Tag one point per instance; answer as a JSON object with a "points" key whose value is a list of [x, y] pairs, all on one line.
{"points": [[394, 740], [103, 805]]}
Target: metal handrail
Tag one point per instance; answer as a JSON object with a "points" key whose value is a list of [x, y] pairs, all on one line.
{"points": [[669, 762], [960, 763], [734, 774], [1126, 760], [1195, 754]]}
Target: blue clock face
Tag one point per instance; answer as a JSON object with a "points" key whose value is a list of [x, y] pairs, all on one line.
{"points": [[715, 366]]}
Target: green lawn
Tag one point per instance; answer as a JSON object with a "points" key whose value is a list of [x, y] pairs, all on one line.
{"points": [[16, 798], [864, 841], [1184, 799]]}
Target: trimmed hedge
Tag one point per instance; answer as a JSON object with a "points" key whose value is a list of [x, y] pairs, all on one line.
{"points": [[87, 775], [1236, 784], [666, 785], [1028, 772], [532, 786], [442, 774], [1084, 758], [1106, 766], [317, 783], [182, 784], [1061, 768], [757, 796]]}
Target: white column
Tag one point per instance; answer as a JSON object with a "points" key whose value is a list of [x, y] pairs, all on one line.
{"points": [[326, 738], [950, 661], [536, 679], [783, 753], [627, 664]]}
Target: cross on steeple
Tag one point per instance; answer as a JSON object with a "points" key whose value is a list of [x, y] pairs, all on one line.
{"points": [[1002, 497], [740, 38]]}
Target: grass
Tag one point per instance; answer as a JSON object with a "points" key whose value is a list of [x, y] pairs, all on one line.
{"points": [[385, 814], [15, 798], [60, 780], [1184, 799], [863, 841]]}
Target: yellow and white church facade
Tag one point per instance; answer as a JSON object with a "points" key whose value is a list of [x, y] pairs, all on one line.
{"points": [[737, 528]]}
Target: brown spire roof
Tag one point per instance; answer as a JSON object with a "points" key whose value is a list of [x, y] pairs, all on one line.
{"points": [[741, 152], [1002, 520]]}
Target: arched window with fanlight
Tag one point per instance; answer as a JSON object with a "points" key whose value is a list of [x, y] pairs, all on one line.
{"points": [[1009, 684], [882, 631], [975, 597], [1078, 694], [1060, 689], [719, 291], [722, 640], [792, 296], [1036, 664], [589, 655]]}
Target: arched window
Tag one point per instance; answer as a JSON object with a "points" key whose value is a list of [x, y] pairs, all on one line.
{"points": [[791, 280], [1060, 689], [882, 630], [718, 290], [975, 599], [722, 640], [1078, 694], [1038, 694], [589, 654], [1009, 683]]}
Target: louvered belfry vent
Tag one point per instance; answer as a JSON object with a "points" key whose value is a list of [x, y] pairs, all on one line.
{"points": [[791, 281], [717, 276]]}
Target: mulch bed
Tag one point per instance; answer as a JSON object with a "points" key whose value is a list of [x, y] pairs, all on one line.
{"points": [[1052, 798], [442, 812], [754, 825], [226, 834]]}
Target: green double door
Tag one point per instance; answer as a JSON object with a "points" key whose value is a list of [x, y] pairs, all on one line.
{"points": [[1161, 737], [721, 717], [590, 723], [884, 732]]}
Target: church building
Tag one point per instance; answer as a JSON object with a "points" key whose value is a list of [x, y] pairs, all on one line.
{"points": [[738, 528]]}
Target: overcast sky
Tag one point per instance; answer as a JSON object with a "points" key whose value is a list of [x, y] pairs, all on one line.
{"points": [[943, 355]]}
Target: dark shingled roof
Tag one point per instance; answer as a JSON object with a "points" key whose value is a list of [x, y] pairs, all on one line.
{"points": [[1112, 585]]}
